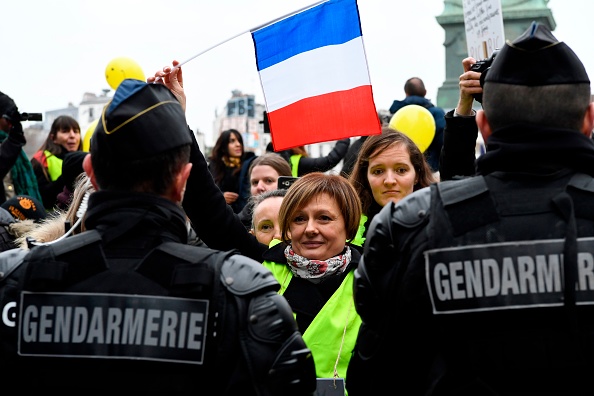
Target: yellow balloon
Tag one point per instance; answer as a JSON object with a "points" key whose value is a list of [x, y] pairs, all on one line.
{"points": [[87, 138], [121, 68], [417, 123]]}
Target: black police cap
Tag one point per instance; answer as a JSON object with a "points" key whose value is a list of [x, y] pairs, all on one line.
{"points": [[141, 121], [537, 58]]}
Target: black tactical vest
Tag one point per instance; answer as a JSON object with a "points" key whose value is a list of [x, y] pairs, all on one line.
{"points": [[510, 275], [165, 325]]}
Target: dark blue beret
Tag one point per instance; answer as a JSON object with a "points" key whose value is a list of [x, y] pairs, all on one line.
{"points": [[141, 121]]}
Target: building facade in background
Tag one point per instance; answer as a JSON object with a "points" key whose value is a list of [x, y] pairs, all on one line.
{"points": [[241, 112]]}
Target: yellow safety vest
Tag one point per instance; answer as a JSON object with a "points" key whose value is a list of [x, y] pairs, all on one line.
{"points": [[54, 165], [337, 319], [295, 164], [359, 238]]}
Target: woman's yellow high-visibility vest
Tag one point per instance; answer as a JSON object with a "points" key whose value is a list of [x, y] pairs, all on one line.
{"points": [[334, 329]]}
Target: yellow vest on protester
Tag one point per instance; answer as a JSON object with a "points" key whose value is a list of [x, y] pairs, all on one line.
{"points": [[295, 164], [54, 165], [359, 238], [334, 329]]}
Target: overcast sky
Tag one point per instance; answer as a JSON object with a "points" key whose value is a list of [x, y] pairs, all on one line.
{"points": [[54, 51]]}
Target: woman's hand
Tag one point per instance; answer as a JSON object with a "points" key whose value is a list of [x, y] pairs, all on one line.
{"points": [[230, 197]]}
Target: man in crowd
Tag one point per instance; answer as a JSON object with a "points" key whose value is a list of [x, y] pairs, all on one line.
{"points": [[15, 169], [415, 92], [484, 286], [128, 305]]}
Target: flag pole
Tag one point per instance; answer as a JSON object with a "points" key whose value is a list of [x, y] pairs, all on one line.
{"points": [[251, 30]]}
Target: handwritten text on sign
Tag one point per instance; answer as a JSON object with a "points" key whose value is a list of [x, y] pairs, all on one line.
{"points": [[483, 22]]}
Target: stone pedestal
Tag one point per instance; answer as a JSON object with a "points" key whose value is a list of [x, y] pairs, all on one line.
{"points": [[517, 17]]}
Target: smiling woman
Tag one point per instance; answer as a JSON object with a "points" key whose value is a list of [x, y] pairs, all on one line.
{"points": [[314, 265]]}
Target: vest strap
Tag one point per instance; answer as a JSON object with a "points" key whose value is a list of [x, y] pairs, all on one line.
{"points": [[468, 204]]}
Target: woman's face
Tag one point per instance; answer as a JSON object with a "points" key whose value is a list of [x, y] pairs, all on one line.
{"points": [[234, 147], [263, 178], [265, 219], [318, 229], [391, 174], [69, 139]]}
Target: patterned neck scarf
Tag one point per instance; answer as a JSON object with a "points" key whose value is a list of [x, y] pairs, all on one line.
{"points": [[232, 162], [316, 270]]}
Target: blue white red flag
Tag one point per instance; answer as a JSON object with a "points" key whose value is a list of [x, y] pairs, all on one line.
{"points": [[314, 75]]}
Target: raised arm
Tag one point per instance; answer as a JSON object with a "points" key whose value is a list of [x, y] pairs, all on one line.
{"points": [[211, 217]]}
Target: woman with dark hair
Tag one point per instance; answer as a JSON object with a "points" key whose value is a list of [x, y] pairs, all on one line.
{"points": [[389, 167], [227, 163], [63, 138]]}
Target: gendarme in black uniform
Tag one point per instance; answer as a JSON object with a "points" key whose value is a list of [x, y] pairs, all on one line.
{"points": [[129, 306], [485, 286]]}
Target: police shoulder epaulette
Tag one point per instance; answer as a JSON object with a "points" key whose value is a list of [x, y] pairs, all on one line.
{"points": [[581, 189], [468, 204], [185, 252], [242, 275], [582, 181], [73, 242], [411, 210], [455, 191], [10, 260]]}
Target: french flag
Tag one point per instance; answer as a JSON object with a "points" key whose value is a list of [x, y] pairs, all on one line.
{"points": [[314, 76]]}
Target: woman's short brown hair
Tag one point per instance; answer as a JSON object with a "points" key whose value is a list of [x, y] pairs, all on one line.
{"points": [[314, 184]]}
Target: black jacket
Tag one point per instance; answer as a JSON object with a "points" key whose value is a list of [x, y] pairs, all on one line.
{"points": [[452, 289], [10, 149], [351, 156], [458, 152], [211, 217], [319, 164], [193, 309]]}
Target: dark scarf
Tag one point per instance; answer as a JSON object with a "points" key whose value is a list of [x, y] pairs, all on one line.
{"points": [[115, 214], [537, 150], [23, 177]]}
